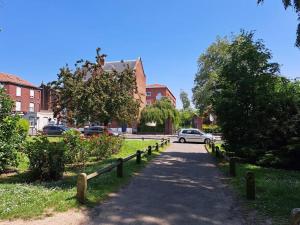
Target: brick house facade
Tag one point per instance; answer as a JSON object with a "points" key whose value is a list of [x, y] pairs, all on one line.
{"points": [[27, 97], [157, 91]]}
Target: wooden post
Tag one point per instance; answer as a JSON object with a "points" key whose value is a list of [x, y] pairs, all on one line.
{"points": [[81, 187], [157, 147], [120, 168], [149, 150], [217, 152], [143, 138], [213, 147], [138, 157], [250, 185], [295, 217], [232, 170]]}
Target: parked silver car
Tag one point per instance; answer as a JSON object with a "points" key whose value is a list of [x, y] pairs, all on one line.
{"points": [[194, 135]]}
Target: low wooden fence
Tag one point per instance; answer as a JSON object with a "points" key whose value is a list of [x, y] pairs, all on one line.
{"points": [[83, 178], [250, 177]]}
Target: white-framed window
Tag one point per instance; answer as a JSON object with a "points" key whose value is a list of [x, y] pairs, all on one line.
{"points": [[158, 96], [31, 93], [18, 91], [18, 106], [31, 107], [148, 93]]}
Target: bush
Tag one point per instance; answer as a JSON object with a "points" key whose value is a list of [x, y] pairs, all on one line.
{"points": [[11, 140], [77, 148], [46, 159], [103, 146], [211, 128], [23, 125]]}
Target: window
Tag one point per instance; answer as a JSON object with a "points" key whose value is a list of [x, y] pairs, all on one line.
{"points": [[31, 93], [18, 106], [31, 107], [196, 132], [158, 96], [148, 93], [18, 91]]}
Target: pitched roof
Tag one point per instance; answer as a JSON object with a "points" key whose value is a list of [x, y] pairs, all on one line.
{"points": [[156, 86], [119, 66], [9, 78]]}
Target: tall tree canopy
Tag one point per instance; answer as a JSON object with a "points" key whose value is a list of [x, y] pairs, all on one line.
{"points": [[209, 66], [258, 110], [296, 5], [186, 104], [91, 94]]}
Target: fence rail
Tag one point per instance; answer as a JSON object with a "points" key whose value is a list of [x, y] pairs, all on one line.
{"points": [[83, 178]]}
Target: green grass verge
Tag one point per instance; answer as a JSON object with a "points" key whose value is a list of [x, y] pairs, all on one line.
{"points": [[20, 199], [277, 191]]}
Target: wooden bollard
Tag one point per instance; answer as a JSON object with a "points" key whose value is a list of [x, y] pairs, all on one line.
{"points": [[232, 170], [143, 138], [157, 147], [218, 155], [295, 216], [120, 168], [138, 157], [149, 150], [213, 147], [250, 186], [81, 187]]}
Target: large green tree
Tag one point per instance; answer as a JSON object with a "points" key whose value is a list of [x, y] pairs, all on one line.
{"points": [[255, 106], [209, 66], [91, 94], [296, 5], [159, 112]]}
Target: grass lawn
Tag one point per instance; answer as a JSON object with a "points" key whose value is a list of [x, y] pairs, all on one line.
{"points": [[20, 199], [277, 191]]}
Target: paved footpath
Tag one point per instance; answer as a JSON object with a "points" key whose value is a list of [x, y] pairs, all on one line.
{"points": [[180, 187]]}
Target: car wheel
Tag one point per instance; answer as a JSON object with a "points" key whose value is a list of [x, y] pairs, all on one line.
{"points": [[182, 140]]}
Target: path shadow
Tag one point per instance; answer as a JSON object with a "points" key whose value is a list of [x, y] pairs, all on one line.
{"points": [[176, 188]]}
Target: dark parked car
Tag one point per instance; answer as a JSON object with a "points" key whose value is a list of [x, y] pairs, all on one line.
{"points": [[54, 130], [89, 131]]}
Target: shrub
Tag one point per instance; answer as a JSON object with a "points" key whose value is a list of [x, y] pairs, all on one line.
{"points": [[77, 148], [11, 136], [46, 159], [103, 146], [11, 140], [23, 125], [211, 128]]}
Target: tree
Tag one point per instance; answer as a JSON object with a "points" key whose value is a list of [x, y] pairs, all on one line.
{"points": [[185, 100], [12, 133], [296, 5], [209, 67], [160, 112], [91, 94], [256, 107]]}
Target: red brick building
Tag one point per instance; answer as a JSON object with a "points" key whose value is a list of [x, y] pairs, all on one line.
{"points": [[27, 97], [137, 66], [156, 92]]}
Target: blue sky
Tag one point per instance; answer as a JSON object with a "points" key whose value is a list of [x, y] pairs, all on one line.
{"points": [[38, 37]]}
